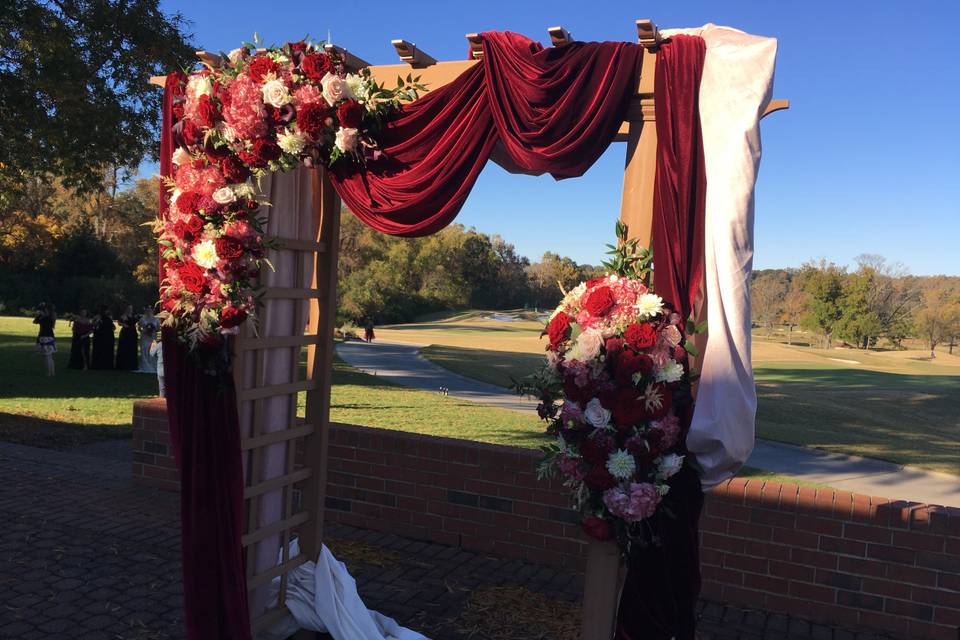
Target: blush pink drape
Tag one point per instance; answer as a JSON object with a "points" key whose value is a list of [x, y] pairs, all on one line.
{"points": [[541, 110]]}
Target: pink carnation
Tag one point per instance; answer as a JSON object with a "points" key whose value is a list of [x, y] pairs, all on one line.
{"points": [[209, 180], [244, 110], [307, 94], [187, 178], [239, 229], [638, 504]]}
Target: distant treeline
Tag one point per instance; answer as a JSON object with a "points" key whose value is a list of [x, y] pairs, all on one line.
{"points": [[389, 279], [877, 304]]}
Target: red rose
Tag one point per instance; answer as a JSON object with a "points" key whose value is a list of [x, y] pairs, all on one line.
{"points": [[233, 170], [231, 317], [597, 528], [265, 150], [316, 65], [228, 248], [195, 225], [600, 301], [613, 346], [627, 363], [350, 114], [558, 329], [641, 336], [600, 479], [592, 282], [180, 230], [311, 119], [193, 277], [207, 112], [191, 132], [260, 66], [178, 111], [188, 202], [297, 47], [594, 451], [628, 411]]}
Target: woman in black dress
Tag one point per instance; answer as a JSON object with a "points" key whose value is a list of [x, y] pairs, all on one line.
{"points": [[127, 343], [80, 347], [46, 343], [102, 341]]}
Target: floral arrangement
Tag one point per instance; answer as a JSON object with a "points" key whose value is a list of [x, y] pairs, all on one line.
{"points": [[255, 111], [613, 390]]}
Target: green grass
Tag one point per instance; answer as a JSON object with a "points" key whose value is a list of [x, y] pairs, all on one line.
{"points": [[72, 408], [76, 407], [891, 405]]}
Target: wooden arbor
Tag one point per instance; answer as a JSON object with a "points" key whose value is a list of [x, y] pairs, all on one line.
{"points": [[284, 498]]}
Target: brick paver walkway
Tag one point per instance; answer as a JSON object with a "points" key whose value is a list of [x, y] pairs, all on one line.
{"points": [[86, 555]]}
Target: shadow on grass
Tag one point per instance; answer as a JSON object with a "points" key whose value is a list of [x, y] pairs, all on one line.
{"points": [[53, 434]]}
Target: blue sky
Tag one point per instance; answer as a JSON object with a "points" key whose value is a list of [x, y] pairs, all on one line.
{"points": [[867, 159]]}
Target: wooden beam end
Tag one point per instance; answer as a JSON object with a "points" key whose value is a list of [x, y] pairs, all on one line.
{"points": [[413, 56], [648, 35], [476, 45], [559, 36]]}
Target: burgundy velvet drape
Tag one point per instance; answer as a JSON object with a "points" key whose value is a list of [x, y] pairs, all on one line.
{"points": [[205, 436], [660, 593], [551, 110]]}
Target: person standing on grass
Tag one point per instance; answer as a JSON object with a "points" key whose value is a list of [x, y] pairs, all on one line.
{"points": [[80, 346], [102, 340], [149, 326], [368, 331], [46, 342], [127, 342], [156, 351]]}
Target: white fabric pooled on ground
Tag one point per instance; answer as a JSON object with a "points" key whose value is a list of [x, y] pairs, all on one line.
{"points": [[735, 89], [322, 596]]}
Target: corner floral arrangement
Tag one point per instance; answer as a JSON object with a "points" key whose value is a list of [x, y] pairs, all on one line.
{"points": [[613, 389], [253, 112]]}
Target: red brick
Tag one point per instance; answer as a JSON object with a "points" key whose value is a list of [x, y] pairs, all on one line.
{"points": [[919, 541], [788, 497], [716, 525], [746, 563], [827, 526], [842, 546], [889, 588], [722, 543], [939, 597], [838, 580], [944, 615], [741, 596], [721, 575], [912, 575], [749, 530], [765, 583], [842, 504], [795, 538], [867, 533], [773, 518], [920, 629], [813, 558], [891, 554], [909, 609], [885, 621], [813, 592], [728, 510], [791, 571]]}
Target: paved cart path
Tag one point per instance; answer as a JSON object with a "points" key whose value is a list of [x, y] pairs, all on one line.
{"points": [[403, 364]]}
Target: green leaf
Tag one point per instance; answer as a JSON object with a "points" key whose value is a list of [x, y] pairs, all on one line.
{"points": [[690, 348]]}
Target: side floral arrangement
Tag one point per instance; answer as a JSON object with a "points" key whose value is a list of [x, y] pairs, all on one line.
{"points": [[614, 390], [254, 112]]}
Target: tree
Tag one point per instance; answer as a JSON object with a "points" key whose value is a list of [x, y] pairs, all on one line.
{"points": [[794, 306], [768, 292], [74, 80], [823, 282], [549, 276], [938, 317]]}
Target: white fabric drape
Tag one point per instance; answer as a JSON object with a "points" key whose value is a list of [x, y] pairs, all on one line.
{"points": [[322, 596], [291, 215], [735, 89]]}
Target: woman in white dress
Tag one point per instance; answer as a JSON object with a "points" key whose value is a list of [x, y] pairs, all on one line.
{"points": [[149, 325]]}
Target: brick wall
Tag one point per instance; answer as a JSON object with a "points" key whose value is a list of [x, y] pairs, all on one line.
{"points": [[831, 556]]}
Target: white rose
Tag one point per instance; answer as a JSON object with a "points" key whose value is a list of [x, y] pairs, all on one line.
{"points": [[275, 93], [346, 139], [335, 89], [224, 195], [228, 132], [596, 415], [669, 465], [235, 55], [588, 345], [174, 195], [292, 143], [671, 372], [181, 156]]}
